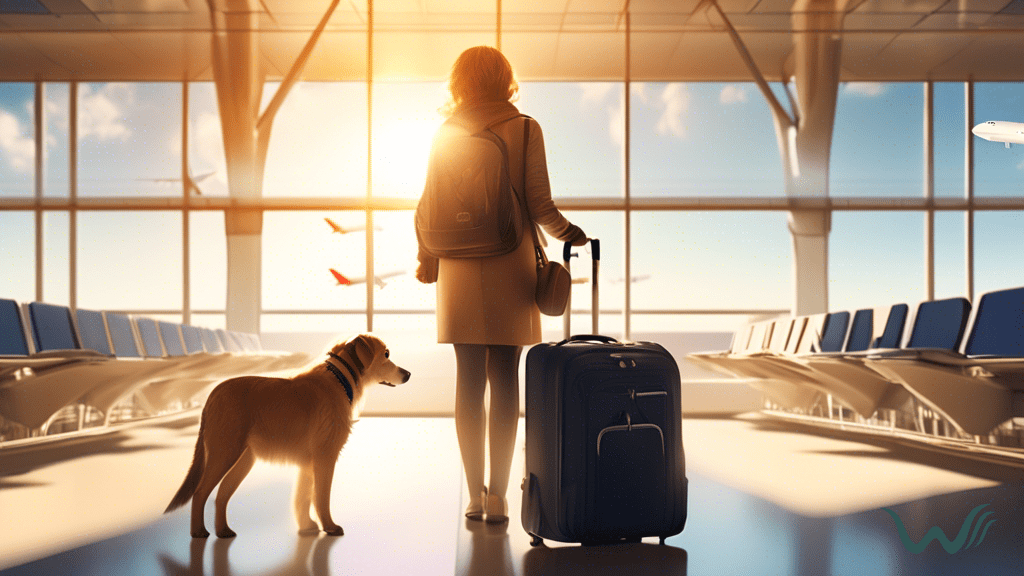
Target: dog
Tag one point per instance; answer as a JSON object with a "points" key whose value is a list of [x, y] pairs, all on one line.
{"points": [[303, 420]]}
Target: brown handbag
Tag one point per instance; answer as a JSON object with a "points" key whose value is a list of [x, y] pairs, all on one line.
{"points": [[553, 280]]}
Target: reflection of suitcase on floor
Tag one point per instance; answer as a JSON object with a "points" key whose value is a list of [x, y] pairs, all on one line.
{"points": [[604, 451]]}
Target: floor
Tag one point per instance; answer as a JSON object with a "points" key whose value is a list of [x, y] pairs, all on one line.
{"points": [[766, 497]]}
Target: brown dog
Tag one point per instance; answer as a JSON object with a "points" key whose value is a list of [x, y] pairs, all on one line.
{"points": [[303, 420]]}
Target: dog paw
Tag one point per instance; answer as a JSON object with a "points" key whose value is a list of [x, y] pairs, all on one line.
{"points": [[202, 533], [226, 533], [334, 531]]}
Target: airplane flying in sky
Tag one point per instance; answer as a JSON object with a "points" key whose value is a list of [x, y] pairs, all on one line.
{"points": [[633, 279], [999, 131], [335, 227], [378, 279], [193, 181]]}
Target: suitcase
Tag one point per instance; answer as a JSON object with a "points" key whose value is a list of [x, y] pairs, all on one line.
{"points": [[604, 452]]}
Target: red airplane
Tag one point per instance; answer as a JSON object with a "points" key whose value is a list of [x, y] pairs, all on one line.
{"points": [[377, 279]]}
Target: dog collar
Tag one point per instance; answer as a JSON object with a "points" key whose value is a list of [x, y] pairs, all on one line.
{"points": [[355, 358], [341, 378]]}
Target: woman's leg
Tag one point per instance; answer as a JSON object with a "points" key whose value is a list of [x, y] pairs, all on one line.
{"points": [[470, 426], [503, 374]]}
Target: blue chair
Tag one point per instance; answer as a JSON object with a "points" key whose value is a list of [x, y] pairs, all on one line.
{"points": [[12, 330], [193, 339], [149, 333], [171, 337], [122, 335], [94, 331], [52, 327], [861, 330]]}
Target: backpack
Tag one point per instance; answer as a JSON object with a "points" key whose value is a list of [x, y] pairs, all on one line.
{"points": [[469, 208]]}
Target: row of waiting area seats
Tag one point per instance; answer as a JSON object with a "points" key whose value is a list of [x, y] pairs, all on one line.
{"points": [[51, 358], [965, 363]]}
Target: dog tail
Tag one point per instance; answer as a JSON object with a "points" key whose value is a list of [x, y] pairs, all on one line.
{"points": [[195, 472]]}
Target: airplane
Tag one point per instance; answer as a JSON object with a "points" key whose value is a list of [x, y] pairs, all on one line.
{"points": [[633, 279], [192, 181], [378, 279], [335, 227], [998, 131]]}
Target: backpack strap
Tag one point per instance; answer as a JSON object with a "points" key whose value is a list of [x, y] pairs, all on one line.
{"points": [[542, 257]]}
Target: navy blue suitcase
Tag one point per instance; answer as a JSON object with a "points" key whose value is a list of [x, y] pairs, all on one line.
{"points": [[604, 450]]}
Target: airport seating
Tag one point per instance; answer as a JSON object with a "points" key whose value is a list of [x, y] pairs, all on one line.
{"points": [[979, 386]]}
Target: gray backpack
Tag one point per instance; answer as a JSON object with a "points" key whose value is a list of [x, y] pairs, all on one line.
{"points": [[469, 208]]}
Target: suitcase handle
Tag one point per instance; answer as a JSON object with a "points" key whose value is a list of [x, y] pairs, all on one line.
{"points": [[589, 338]]}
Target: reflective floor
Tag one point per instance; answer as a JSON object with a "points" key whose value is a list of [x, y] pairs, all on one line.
{"points": [[765, 498]]}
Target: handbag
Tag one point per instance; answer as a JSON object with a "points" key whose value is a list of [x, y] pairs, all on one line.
{"points": [[553, 280]]}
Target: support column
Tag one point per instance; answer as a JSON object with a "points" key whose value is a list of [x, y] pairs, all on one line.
{"points": [[810, 229]]}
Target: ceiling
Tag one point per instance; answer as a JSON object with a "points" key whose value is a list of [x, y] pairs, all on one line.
{"points": [[150, 40]]}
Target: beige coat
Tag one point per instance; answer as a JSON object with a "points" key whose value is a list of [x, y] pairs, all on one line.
{"points": [[491, 300]]}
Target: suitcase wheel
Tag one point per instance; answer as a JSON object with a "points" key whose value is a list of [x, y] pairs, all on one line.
{"points": [[536, 540]]}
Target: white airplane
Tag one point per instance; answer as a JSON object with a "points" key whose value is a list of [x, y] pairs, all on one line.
{"points": [[633, 279], [378, 279], [192, 182], [999, 131], [338, 229]]}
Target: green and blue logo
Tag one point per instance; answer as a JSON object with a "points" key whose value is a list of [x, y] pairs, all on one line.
{"points": [[936, 533]]}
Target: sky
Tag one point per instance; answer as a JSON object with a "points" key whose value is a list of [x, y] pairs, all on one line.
{"points": [[696, 139]]}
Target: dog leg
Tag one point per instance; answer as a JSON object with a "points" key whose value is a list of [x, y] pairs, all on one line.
{"points": [[303, 498], [323, 474], [227, 488], [218, 461]]}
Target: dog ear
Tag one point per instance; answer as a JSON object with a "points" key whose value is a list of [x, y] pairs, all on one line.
{"points": [[353, 348]]}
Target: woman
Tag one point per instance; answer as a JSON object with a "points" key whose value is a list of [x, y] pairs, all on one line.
{"points": [[486, 306]]}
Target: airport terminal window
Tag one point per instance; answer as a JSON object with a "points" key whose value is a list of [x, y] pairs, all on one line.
{"points": [[583, 125], [208, 261], [300, 248], [315, 326], [56, 248], [17, 139], [56, 167], [129, 260], [702, 139], [877, 142], [998, 171], [948, 122], [711, 261], [405, 118], [875, 258], [950, 254], [17, 256], [129, 139], [394, 255], [318, 142], [997, 258], [206, 162]]}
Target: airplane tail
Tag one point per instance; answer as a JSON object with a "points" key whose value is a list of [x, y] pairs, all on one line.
{"points": [[342, 281]]}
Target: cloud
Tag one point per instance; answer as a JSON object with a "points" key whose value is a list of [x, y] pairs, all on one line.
{"points": [[15, 146], [732, 94], [676, 98], [100, 112], [868, 89]]}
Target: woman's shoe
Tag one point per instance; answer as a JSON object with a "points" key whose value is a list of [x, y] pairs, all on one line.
{"points": [[475, 510], [497, 509]]}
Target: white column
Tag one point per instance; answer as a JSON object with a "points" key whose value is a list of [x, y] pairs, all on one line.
{"points": [[810, 229]]}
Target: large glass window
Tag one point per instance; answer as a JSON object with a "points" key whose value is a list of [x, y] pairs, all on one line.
{"points": [[997, 256], [206, 164], [702, 139], [394, 254], [877, 141], [56, 164], [56, 259], [17, 139], [950, 254], [948, 136], [875, 259], [582, 124], [17, 256], [998, 171], [129, 139], [405, 117], [299, 251], [711, 261], [208, 261], [129, 260], [318, 141]]}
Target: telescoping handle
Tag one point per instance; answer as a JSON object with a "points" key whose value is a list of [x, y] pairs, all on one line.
{"points": [[567, 255]]}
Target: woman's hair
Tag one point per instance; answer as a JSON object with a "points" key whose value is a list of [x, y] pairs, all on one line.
{"points": [[480, 74]]}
